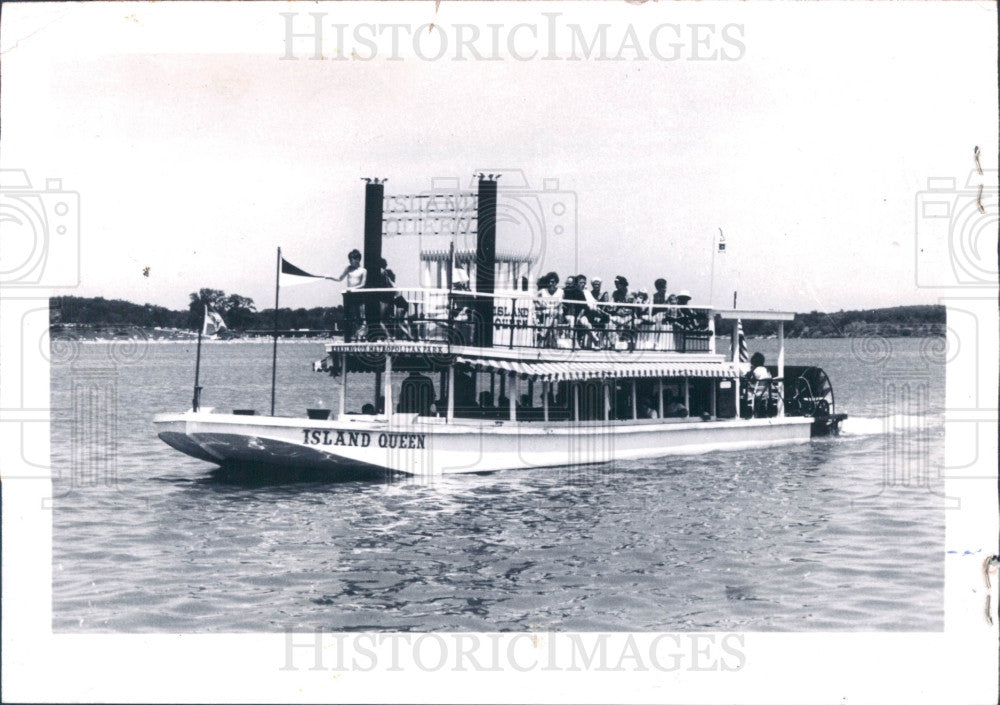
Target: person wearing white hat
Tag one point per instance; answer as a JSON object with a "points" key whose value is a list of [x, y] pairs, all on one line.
{"points": [[687, 318], [595, 290]]}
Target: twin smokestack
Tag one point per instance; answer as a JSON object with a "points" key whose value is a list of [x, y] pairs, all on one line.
{"points": [[486, 246]]}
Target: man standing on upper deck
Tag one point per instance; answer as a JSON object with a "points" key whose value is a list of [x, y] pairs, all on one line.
{"points": [[355, 275], [660, 296]]}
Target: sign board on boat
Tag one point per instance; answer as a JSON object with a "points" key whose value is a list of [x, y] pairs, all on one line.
{"points": [[452, 213]]}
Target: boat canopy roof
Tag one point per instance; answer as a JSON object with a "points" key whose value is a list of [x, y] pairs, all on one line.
{"points": [[563, 371], [749, 315]]}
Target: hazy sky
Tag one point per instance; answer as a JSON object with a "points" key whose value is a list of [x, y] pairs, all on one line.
{"points": [[196, 150]]}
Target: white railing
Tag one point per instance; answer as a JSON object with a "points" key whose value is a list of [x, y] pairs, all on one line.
{"points": [[521, 319]]}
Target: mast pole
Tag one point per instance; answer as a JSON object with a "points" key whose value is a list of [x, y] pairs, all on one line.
{"points": [[781, 362], [343, 384], [711, 283], [274, 347], [512, 396], [450, 413], [387, 389], [196, 400]]}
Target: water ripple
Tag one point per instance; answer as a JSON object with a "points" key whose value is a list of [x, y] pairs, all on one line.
{"points": [[845, 534]]}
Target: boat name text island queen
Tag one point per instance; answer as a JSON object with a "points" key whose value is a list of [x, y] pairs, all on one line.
{"points": [[474, 373]]}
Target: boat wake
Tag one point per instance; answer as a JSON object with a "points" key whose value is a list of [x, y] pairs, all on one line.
{"points": [[874, 426]]}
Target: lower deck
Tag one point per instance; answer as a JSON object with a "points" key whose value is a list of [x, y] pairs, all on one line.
{"points": [[413, 445]]}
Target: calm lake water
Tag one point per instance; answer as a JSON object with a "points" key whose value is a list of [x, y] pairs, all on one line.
{"points": [[836, 534]]}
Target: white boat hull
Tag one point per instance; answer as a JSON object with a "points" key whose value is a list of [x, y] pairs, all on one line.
{"points": [[360, 446]]}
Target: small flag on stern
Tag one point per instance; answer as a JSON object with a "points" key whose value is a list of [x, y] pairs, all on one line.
{"points": [[213, 323], [722, 242]]}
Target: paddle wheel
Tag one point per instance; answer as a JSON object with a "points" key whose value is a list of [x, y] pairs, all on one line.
{"points": [[809, 392]]}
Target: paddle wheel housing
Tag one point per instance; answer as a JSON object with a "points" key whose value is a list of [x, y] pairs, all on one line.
{"points": [[808, 392]]}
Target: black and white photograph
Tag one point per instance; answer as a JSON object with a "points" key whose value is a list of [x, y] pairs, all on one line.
{"points": [[499, 352]]}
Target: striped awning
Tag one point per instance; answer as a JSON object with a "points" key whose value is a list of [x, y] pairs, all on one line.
{"points": [[466, 256], [562, 371]]}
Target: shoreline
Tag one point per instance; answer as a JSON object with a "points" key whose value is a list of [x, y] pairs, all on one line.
{"points": [[165, 337]]}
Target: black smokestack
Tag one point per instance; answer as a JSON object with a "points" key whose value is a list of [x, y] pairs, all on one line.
{"points": [[486, 255], [374, 195]]}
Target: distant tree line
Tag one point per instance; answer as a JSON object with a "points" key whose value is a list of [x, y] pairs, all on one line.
{"points": [[240, 314], [897, 321]]}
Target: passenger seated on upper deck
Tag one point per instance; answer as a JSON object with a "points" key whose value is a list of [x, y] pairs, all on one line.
{"points": [[585, 315], [670, 312], [595, 316], [571, 296], [620, 294], [416, 395], [543, 281], [690, 319], [595, 291], [548, 299], [643, 314]]}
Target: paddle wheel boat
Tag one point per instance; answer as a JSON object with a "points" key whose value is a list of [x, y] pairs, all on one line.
{"points": [[476, 373]]}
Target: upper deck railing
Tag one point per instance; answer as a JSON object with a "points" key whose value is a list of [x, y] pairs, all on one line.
{"points": [[522, 319]]}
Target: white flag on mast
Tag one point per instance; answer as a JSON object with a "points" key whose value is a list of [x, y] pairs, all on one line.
{"points": [[213, 323]]}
